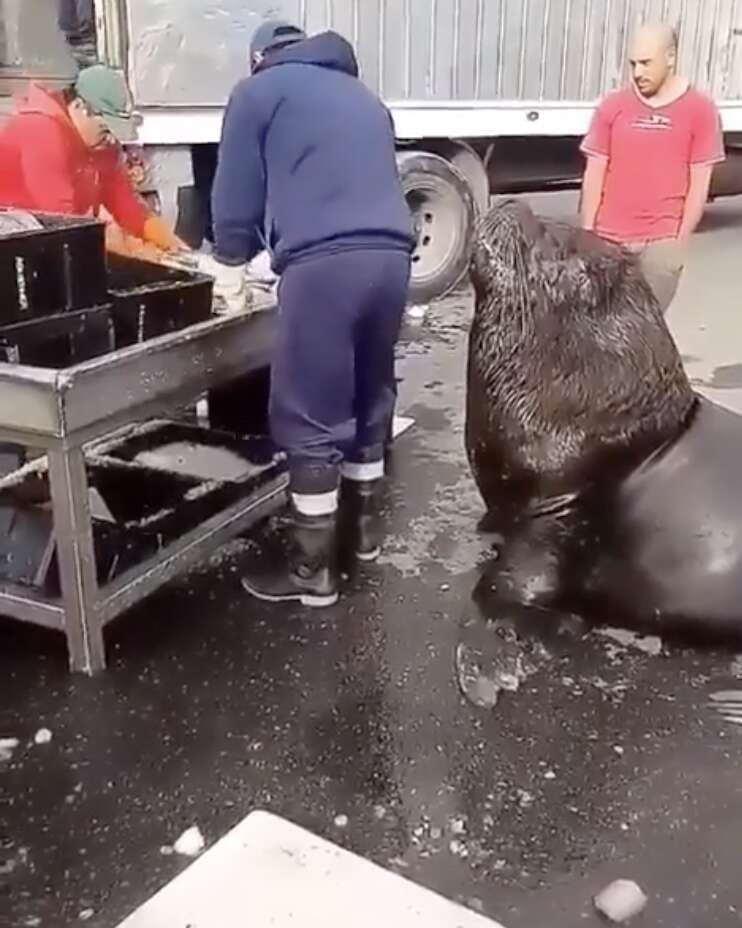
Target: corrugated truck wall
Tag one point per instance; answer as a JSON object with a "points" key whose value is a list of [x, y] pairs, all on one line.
{"points": [[192, 51]]}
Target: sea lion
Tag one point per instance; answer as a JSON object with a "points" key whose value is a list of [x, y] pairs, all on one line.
{"points": [[616, 489]]}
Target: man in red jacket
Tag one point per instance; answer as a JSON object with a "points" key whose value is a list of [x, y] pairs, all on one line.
{"points": [[60, 153]]}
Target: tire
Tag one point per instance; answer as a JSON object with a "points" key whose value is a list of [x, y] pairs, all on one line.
{"points": [[444, 215], [726, 179], [466, 160]]}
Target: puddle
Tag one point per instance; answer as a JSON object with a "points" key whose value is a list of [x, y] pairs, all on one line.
{"points": [[192, 460], [114, 440]]}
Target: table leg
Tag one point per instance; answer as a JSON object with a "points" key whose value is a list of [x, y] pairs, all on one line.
{"points": [[76, 559]]}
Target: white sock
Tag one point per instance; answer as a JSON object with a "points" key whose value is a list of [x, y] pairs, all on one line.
{"points": [[316, 504], [362, 473]]}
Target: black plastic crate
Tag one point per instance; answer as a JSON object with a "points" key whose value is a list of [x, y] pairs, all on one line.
{"points": [[132, 499], [12, 457], [151, 300], [28, 555], [143, 508], [137, 493], [59, 268], [184, 499], [26, 545], [241, 406], [58, 341], [250, 456]]}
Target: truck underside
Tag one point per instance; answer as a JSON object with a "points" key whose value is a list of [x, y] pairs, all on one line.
{"points": [[447, 183]]}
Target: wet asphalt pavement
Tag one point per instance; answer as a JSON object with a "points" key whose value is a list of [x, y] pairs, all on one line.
{"points": [[608, 762]]}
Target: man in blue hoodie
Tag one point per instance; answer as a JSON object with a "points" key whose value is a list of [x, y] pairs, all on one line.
{"points": [[307, 169]]}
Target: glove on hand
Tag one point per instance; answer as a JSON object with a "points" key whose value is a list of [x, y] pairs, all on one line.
{"points": [[231, 293]]}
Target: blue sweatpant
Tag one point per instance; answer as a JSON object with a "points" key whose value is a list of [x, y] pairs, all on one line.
{"points": [[333, 388]]}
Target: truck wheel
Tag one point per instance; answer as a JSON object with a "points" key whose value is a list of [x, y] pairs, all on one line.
{"points": [[444, 216], [726, 179]]}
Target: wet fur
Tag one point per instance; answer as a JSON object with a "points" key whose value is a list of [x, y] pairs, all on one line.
{"points": [[573, 375]]}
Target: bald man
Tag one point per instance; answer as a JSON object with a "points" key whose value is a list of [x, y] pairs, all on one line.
{"points": [[650, 154]]}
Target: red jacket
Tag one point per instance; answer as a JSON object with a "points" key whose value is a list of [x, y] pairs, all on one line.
{"points": [[45, 166]]}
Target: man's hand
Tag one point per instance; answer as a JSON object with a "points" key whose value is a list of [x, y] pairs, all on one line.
{"points": [[119, 243], [695, 202], [592, 191], [682, 244], [157, 233], [231, 293]]}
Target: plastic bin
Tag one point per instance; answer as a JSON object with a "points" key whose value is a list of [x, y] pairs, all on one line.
{"points": [[59, 268], [186, 498], [58, 341], [151, 300]]}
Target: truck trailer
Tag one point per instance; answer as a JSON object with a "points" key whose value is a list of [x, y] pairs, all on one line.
{"points": [[488, 96]]}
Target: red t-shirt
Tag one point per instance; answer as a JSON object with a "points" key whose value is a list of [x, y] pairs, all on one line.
{"points": [[649, 151]]}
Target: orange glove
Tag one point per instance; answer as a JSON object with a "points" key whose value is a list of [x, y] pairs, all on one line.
{"points": [[158, 234], [119, 243]]}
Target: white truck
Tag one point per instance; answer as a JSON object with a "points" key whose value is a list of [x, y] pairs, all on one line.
{"points": [[488, 96]]}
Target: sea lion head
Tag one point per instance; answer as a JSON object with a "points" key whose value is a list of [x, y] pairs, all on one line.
{"points": [[521, 263], [571, 363]]}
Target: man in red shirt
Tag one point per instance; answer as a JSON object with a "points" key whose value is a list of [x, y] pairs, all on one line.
{"points": [[650, 154], [60, 153]]}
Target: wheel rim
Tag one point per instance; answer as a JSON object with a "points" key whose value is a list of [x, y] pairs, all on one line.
{"points": [[439, 222]]}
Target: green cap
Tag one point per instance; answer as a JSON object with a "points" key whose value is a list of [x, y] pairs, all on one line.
{"points": [[106, 93]]}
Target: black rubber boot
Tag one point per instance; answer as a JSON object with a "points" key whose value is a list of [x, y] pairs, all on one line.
{"points": [[311, 575], [359, 500]]}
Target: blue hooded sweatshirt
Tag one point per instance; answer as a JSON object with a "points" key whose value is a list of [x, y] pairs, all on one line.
{"points": [[307, 161]]}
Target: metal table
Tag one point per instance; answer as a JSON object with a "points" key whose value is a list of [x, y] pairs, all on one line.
{"points": [[60, 411]]}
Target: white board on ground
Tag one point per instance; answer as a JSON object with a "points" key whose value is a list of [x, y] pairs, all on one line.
{"points": [[401, 424], [269, 873]]}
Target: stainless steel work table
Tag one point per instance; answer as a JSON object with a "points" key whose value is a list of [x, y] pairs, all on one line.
{"points": [[60, 411]]}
